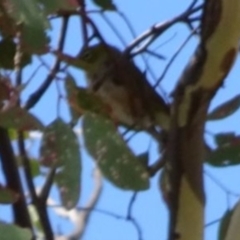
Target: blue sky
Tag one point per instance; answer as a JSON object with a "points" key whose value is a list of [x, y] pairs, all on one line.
{"points": [[149, 209]]}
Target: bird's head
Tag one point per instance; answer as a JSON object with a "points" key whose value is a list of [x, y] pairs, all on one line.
{"points": [[94, 57]]}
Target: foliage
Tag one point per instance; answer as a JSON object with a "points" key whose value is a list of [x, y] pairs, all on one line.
{"points": [[25, 27]]}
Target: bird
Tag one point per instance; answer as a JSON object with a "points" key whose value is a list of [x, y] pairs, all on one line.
{"points": [[120, 84]]}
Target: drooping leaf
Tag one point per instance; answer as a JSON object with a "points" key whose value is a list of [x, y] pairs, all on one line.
{"points": [[105, 4], [60, 148], [227, 152], [115, 160], [34, 23], [20, 119], [7, 196], [225, 110], [10, 232], [224, 224]]}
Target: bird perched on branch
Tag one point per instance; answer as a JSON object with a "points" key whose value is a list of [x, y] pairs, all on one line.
{"points": [[132, 101]]}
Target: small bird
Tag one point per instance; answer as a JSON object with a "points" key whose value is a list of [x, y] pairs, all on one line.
{"points": [[117, 81]]}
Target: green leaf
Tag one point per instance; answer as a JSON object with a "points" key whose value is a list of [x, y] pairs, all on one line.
{"points": [[60, 148], [229, 138], [35, 38], [114, 158], [13, 134], [225, 110], [227, 152], [223, 157], [20, 119], [35, 167], [105, 4], [34, 23], [7, 196], [56, 5], [10, 232], [224, 224]]}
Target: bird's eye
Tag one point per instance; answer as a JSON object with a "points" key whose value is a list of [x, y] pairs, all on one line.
{"points": [[86, 55]]}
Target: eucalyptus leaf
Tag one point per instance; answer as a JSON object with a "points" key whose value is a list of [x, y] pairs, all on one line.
{"points": [[114, 158], [225, 110], [20, 119], [227, 152], [7, 196], [34, 23], [10, 232], [60, 148]]}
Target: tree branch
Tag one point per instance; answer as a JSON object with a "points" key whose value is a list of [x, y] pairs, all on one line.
{"points": [[10, 170], [198, 84]]}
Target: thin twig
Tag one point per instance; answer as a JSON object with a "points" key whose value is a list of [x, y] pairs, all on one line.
{"points": [[159, 28], [44, 193], [172, 60], [114, 29], [130, 217], [128, 23], [130, 205], [80, 216], [156, 166], [82, 5], [36, 96], [40, 205], [213, 222], [33, 74], [220, 185], [156, 55]]}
